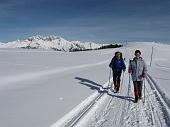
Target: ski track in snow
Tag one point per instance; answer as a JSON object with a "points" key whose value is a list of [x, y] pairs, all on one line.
{"points": [[119, 110], [36, 75]]}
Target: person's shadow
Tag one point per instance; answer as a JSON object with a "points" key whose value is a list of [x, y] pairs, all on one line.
{"points": [[95, 86]]}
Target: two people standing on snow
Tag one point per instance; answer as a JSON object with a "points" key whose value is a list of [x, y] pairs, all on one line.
{"points": [[137, 69]]}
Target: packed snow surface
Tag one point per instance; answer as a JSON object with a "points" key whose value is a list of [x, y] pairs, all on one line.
{"points": [[50, 89]]}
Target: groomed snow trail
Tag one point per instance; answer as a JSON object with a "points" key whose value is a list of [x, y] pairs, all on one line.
{"points": [[119, 110]]}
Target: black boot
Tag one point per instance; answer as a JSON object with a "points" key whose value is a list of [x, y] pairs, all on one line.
{"points": [[115, 90], [118, 85], [136, 99]]}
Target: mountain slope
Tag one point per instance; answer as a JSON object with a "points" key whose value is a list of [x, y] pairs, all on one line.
{"points": [[50, 42]]}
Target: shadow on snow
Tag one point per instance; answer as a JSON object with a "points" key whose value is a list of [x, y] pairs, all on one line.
{"points": [[95, 86]]}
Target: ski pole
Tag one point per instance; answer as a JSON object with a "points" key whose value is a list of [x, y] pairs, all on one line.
{"points": [[129, 79], [122, 82], [109, 78], [144, 91], [129, 86]]}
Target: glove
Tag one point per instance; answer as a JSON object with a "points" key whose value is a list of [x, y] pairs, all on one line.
{"points": [[130, 71], [144, 75], [110, 65]]}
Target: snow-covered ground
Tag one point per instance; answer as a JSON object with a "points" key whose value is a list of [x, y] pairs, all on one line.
{"points": [[39, 87], [52, 89]]}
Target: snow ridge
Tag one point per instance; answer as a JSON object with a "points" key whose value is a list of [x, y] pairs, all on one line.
{"points": [[51, 43]]}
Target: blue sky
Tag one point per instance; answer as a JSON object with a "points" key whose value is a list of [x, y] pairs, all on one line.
{"points": [[86, 20]]}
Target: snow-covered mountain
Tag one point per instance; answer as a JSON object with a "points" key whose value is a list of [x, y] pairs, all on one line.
{"points": [[50, 43]]}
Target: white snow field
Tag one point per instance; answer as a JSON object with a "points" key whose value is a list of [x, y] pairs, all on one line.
{"points": [[63, 89]]}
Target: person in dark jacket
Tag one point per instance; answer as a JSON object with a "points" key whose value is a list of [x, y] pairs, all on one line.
{"points": [[117, 64], [138, 71]]}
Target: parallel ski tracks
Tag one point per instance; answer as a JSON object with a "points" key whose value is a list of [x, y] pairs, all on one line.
{"points": [[162, 102], [153, 116], [74, 121]]}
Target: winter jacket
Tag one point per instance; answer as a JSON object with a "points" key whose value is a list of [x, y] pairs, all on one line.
{"points": [[138, 69], [117, 65]]}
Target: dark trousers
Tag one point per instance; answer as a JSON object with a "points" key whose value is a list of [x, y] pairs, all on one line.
{"points": [[116, 79], [138, 88]]}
